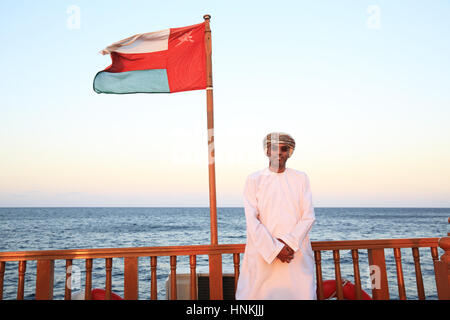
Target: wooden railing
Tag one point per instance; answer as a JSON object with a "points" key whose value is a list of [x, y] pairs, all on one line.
{"points": [[376, 257], [375, 251]]}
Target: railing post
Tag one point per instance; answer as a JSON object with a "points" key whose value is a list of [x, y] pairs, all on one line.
{"points": [[44, 279], [68, 286], [193, 276], [400, 279], [236, 262], [88, 285], [215, 277], [337, 273], [319, 281], [442, 269], [419, 279], [173, 277], [154, 284], [21, 283], [108, 280], [377, 264], [131, 280], [355, 258]]}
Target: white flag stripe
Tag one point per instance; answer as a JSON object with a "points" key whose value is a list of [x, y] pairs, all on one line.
{"points": [[141, 43]]}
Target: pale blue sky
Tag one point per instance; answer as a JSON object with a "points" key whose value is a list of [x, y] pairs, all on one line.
{"points": [[363, 87]]}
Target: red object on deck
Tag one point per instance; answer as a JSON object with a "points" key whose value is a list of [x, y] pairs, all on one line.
{"points": [[348, 290], [99, 294]]}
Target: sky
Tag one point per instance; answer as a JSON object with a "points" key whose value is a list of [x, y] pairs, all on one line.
{"points": [[362, 86]]}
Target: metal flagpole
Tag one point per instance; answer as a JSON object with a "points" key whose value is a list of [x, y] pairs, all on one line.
{"points": [[215, 261]]}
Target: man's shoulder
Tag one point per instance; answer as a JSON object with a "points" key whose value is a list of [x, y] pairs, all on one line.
{"points": [[300, 175], [254, 175], [297, 172]]}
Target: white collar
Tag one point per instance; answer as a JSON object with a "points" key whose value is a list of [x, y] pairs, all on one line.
{"points": [[267, 171]]}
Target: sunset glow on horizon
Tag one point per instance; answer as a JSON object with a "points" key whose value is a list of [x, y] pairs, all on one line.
{"points": [[364, 95]]}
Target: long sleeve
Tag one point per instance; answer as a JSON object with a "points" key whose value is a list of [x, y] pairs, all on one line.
{"points": [[295, 238], [267, 246]]}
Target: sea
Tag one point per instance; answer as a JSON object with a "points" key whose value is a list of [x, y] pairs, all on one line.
{"points": [[53, 228]]}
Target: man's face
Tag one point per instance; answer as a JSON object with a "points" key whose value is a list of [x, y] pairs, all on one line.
{"points": [[278, 154]]}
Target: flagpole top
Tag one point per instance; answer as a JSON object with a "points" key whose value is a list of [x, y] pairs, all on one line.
{"points": [[207, 17]]}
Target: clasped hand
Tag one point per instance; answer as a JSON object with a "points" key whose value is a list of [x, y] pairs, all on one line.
{"points": [[286, 254]]}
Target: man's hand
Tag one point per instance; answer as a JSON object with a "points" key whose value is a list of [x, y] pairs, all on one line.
{"points": [[286, 254]]}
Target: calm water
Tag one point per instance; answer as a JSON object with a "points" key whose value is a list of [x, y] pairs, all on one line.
{"points": [[73, 228]]}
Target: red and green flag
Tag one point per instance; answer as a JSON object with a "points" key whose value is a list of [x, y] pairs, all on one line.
{"points": [[165, 61]]}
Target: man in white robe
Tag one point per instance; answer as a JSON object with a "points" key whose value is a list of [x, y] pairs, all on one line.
{"points": [[278, 260]]}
